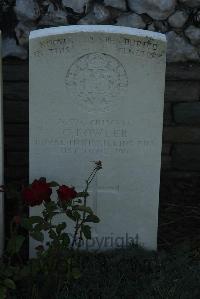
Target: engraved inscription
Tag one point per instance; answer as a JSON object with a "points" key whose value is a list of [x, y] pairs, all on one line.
{"points": [[106, 136], [133, 46], [54, 46], [98, 82]]}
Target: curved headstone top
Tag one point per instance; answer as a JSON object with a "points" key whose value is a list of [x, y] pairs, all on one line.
{"points": [[96, 28], [97, 93]]}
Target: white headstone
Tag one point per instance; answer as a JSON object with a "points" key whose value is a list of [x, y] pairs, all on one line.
{"points": [[1, 161], [97, 93]]}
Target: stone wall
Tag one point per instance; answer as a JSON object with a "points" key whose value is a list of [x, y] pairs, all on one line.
{"points": [[178, 19]]}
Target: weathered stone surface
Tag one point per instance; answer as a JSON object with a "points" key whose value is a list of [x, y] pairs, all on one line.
{"points": [[161, 26], [151, 27], [191, 3], [131, 20], [187, 113], [181, 135], [179, 91], [119, 4], [114, 14], [179, 49], [193, 33], [186, 157], [10, 48], [99, 15], [22, 31], [77, 5], [27, 10], [157, 9], [53, 17], [178, 19]]}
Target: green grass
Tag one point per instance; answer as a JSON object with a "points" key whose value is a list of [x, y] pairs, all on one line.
{"points": [[130, 273]]}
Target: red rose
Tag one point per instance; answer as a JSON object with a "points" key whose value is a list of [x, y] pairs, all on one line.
{"points": [[38, 192], [66, 193], [43, 189], [30, 197]]}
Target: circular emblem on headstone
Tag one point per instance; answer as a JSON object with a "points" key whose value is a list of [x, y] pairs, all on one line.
{"points": [[97, 82]]}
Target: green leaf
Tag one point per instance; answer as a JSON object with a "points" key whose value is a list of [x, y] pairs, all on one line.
{"points": [[8, 272], [15, 244], [83, 209], [60, 227], [66, 239], [9, 283], [53, 184], [92, 218], [27, 224], [86, 229], [70, 215], [51, 206], [41, 226], [3, 292], [45, 226], [35, 219], [52, 234], [38, 236], [76, 273], [76, 214]]}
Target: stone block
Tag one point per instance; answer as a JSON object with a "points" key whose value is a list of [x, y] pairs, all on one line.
{"points": [[16, 129], [189, 71], [16, 112], [15, 72], [16, 91], [187, 113], [13, 143], [181, 134], [17, 159], [186, 157], [182, 91]]}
